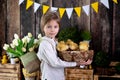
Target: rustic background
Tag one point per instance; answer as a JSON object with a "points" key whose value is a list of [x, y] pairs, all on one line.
{"points": [[104, 25]]}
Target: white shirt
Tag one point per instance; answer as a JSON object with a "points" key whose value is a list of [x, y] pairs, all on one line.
{"points": [[52, 67]]}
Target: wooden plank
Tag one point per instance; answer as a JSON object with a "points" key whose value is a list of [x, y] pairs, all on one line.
{"points": [[27, 19], [13, 19], [116, 32], [9, 74], [100, 27], [79, 71], [105, 24], [9, 65], [8, 78], [79, 76], [96, 77], [9, 70], [96, 29], [38, 15], [113, 63], [84, 20], [2, 24]]}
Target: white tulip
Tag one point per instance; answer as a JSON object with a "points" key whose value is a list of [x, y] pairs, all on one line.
{"points": [[29, 35], [36, 41], [24, 40], [31, 49], [6, 46], [39, 36], [12, 45], [15, 42], [28, 39], [16, 36], [24, 49]]}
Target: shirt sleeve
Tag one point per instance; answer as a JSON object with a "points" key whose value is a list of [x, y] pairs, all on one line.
{"points": [[48, 54]]}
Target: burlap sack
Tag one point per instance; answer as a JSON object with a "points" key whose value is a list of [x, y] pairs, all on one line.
{"points": [[30, 62]]}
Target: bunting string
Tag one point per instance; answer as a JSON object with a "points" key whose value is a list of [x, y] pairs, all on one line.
{"points": [[69, 11]]}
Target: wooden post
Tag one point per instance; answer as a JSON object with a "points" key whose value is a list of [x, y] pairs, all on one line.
{"points": [[2, 24], [96, 77], [13, 19]]}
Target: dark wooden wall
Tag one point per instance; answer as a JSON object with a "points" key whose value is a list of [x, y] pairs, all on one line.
{"points": [[104, 25]]}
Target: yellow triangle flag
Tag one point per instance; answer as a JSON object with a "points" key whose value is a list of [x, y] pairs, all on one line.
{"points": [[95, 6], [45, 9], [29, 3], [78, 10], [115, 1], [61, 11]]}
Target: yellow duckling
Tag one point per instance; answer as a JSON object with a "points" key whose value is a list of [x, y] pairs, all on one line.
{"points": [[4, 59], [84, 45], [72, 45], [62, 46]]}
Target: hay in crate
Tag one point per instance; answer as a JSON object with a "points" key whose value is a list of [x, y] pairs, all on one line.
{"points": [[76, 55], [29, 76]]}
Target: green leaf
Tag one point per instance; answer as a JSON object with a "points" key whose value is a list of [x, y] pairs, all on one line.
{"points": [[85, 35], [13, 52], [19, 47], [30, 44]]}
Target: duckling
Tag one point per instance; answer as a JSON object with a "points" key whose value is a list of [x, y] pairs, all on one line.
{"points": [[4, 59], [72, 45], [62, 46], [84, 45]]}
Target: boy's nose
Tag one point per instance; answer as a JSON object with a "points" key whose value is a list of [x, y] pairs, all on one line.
{"points": [[52, 29]]}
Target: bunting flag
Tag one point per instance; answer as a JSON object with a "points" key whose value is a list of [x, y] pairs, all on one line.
{"points": [[20, 2], [69, 12], [86, 8], [78, 10], [36, 6], [115, 1], [61, 11], [29, 4], [95, 6], [45, 9], [105, 2], [54, 8]]}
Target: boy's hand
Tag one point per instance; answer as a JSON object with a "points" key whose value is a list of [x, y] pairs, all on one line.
{"points": [[89, 61]]}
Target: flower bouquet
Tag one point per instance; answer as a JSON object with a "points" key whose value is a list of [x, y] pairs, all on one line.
{"points": [[25, 50]]}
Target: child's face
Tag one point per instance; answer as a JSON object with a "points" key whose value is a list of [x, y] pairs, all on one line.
{"points": [[51, 29]]}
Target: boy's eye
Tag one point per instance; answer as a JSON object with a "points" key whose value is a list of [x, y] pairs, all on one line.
{"points": [[55, 26], [49, 26]]}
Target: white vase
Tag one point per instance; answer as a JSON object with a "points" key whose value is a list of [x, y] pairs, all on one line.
{"points": [[12, 60], [82, 66]]}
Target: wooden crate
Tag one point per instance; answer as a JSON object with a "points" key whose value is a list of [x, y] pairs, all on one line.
{"points": [[78, 74], [10, 72], [96, 77]]}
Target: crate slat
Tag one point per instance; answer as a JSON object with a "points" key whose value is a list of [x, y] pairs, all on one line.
{"points": [[8, 78], [8, 65], [10, 71], [9, 74], [78, 74], [79, 71]]}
